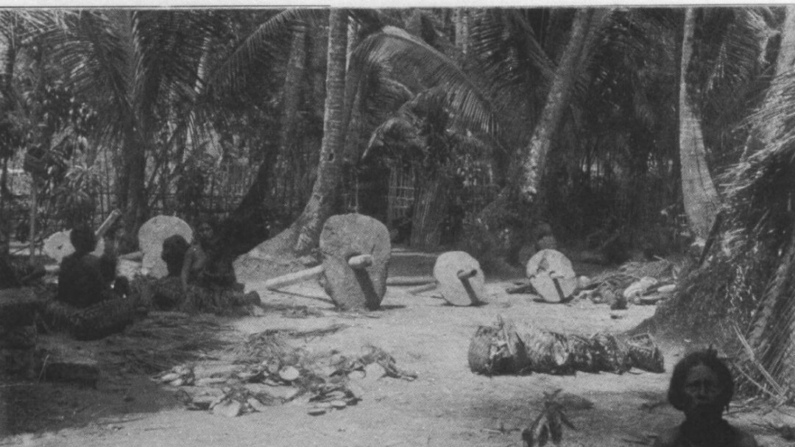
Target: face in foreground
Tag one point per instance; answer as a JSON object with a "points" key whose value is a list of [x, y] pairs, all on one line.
{"points": [[702, 390]]}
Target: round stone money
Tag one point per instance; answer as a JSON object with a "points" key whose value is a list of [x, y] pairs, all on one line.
{"points": [[449, 269], [57, 246], [343, 237], [151, 237], [552, 275]]}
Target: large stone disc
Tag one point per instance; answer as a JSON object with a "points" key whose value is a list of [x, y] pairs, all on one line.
{"points": [[544, 268], [151, 237], [57, 246], [343, 237], [446, 270]]}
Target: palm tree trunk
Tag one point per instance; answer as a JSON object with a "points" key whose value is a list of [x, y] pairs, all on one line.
{"points": [[534, 156], [292, 90], [324, 192], [5, 223], [461, 21], [430, 208], [134, 173], [699, 194], [532, 159], [784, 63], [247, 225]]}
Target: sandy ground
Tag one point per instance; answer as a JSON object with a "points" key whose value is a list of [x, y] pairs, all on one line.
{"points": [[446, 405]]}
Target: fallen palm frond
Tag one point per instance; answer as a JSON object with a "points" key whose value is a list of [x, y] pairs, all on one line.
{"points": [[771, 387], [273, 343]]}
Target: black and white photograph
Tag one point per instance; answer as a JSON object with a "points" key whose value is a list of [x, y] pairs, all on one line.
{"points": [[463, 224]]}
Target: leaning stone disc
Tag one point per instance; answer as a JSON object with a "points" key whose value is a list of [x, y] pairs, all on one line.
{"points": [[151, 237], [544, 267], [343, 237], [57, 246], [446, 273]]}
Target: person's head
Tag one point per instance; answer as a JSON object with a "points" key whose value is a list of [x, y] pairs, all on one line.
{"points": [[205, 230], [174, 248], [83, 239], [701, 383]]}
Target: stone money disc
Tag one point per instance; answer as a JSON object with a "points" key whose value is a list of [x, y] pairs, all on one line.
{"points": [[547, 262], [446, 272], [343, 237], [151, 237], [57, 246]]}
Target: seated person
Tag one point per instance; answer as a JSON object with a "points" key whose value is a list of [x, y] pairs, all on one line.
{"points": [[86, 303], [168, 293], [208, 281], [174, 249], [702, 387], [199, 267], [84, 278]]}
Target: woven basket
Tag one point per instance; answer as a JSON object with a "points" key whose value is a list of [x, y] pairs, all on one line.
{"points": [[645, 354]]}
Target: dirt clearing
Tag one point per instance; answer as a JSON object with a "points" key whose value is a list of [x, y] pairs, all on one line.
{"points": [[446, 405]]}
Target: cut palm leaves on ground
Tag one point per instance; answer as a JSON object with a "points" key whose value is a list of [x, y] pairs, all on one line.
{"points": [[510, 349]]}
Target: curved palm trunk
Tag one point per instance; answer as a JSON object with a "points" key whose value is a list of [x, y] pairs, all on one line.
{"points": [[534, 156], [699, 194], [324, 191], [784, 63], [247, 226]]}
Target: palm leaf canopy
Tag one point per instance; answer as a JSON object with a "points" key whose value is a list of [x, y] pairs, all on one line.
{"points": [[132, 65], [402, 56]]}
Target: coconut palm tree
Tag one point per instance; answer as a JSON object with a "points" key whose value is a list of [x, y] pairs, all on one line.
{"points": [[140, 70]]}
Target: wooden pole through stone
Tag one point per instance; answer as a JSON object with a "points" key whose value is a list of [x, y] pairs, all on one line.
{"points": [[294, 278], [356, 252], [460, 278], [343, 240]]}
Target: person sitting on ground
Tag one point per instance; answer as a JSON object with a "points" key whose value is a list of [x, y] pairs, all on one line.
{"points": [[84, 278], [208, 281], [173, 254], [168, 292], [702, 387], [86, 303]]}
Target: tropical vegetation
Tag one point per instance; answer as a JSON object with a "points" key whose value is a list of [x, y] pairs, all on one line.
{"points": [[635, 129]]}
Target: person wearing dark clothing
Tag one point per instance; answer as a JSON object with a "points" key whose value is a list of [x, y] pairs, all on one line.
{"points": [[209, 283], [86, 303], [84, 278], [702, 387], [167, 292]]}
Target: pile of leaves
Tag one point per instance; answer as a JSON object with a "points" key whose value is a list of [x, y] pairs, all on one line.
{"points": [[269, 370]]}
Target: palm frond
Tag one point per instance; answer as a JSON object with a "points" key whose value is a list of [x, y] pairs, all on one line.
{"points": [[407, 55], [270, 37]]}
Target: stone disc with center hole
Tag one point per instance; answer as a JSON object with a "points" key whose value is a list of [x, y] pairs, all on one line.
{"points": [[151, 237], [452, 288], [343, 237], [544, 267], [57, 246]]}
